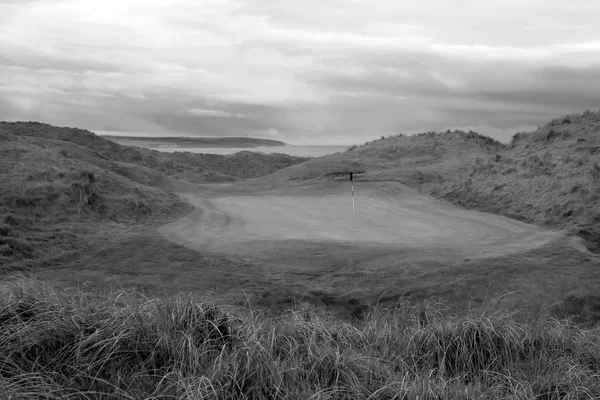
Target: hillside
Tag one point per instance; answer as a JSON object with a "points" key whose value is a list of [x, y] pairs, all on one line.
{"points": [[549, 177], [420, 161], [56, 196], [187, 166], [66, 190], [186, 141]]}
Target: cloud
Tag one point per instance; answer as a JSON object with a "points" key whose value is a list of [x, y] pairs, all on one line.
{"points": [[216, 113], [317, 70]]}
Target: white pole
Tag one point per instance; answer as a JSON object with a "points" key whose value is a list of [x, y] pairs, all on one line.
{"points": [[352, 196]]}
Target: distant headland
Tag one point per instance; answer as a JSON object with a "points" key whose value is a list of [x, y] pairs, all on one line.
{"points": [[186, 141]]}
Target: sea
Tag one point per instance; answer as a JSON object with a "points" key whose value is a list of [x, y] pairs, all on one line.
{"points": [[298, 151]]}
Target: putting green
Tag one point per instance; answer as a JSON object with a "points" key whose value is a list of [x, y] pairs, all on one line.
{"points": [[387, 215]]}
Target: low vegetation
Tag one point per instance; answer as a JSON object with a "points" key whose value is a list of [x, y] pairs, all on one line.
{"points": [[64, 190], [549, 177], [420, 161], [188, 166], [54, 201], [72, 343]]}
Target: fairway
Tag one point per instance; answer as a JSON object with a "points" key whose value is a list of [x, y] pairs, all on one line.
{"points": [[390, 216]]}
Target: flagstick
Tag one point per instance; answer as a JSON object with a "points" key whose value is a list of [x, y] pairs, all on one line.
{"points": [[352, 196]]}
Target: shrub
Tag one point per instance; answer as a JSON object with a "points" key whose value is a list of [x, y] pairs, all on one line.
{"points": [[552, 134], [87, 193], [518, 136], [5, 229]]}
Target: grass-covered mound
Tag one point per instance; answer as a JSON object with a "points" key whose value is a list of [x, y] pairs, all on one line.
{"points": [[63, 190], [549, 177], [418, 160], [60, 344], [179, 165], [56, 195], [43, 175]]}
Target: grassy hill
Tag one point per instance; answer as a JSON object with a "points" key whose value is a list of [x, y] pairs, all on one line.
{"points": [[179, 165], [66, 189], [549, 177], [56, 196], [419, 160]]}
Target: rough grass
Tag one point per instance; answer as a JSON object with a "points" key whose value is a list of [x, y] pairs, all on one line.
{"points": [[549, 177], [67, 186], [60, 344], [78, 344], [38, 174], [51, 203], [419, 160], [179, 165]]}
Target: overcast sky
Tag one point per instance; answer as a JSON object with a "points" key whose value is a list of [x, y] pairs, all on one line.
{"points": [[328, 71]]}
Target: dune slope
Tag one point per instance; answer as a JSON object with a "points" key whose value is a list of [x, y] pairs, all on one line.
{"points": [[65, 190], [549, 177]]}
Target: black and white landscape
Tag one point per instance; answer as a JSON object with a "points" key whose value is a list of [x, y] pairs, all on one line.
{"points": [[299, 200]]}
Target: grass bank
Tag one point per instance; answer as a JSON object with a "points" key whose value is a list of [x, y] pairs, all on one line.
{"points": [[73, 343], [548, 177], [66, 191], [58, 201], [190, 167]]}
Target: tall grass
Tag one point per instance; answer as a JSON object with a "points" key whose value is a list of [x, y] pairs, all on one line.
{"points": [[73, 344], [48, 199], [549, 177]]}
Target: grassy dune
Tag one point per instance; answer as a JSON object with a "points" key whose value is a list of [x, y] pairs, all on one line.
{"points": [[190, 167], [419, 160], [65, 190], [59, 344], [54, 204], [549, 177]]}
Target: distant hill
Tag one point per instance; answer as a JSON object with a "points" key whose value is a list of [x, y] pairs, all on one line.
{"points": [[193, 142]]}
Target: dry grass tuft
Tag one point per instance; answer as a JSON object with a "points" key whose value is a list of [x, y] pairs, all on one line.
{"points": [[73, 343]]}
